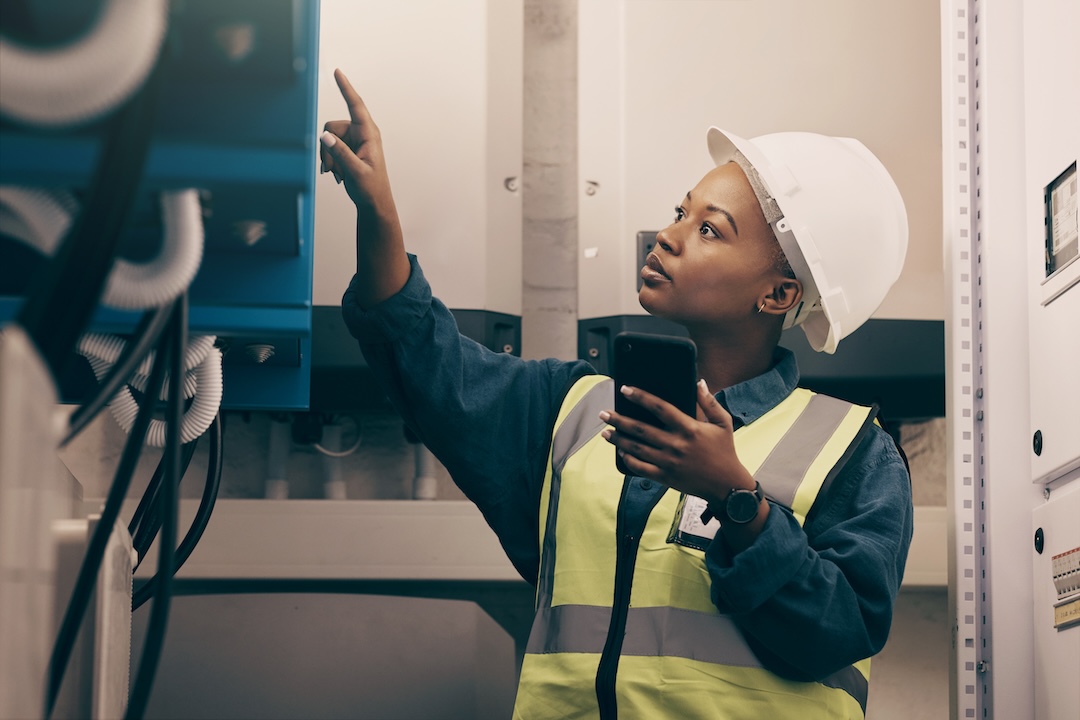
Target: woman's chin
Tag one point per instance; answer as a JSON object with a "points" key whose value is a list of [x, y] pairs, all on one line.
{"points": [[649, 303]]}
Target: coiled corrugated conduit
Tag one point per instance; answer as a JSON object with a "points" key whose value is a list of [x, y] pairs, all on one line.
{"points": [[82, 81], [202, 380], [40, 218]]}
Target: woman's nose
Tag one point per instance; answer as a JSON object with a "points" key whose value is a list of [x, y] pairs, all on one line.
{"points": [[668, 239]]}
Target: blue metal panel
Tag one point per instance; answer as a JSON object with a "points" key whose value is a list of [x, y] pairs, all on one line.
{"points": [[246, 389], [243, 132]]}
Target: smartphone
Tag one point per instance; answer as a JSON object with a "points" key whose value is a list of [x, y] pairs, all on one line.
{"points": [[663, 365]]}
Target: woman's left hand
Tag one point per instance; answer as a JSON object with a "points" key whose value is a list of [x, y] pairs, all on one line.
{"points": [[693, 455]]}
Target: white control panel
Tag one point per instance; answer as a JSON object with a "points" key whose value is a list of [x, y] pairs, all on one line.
{"points": [[1057, 604]]}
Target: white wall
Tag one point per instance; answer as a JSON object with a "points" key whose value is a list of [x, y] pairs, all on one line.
{"points": [[656, 74], [443, 83]]}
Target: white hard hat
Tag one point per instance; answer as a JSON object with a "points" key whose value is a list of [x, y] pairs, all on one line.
{"points": [[841, 223]]}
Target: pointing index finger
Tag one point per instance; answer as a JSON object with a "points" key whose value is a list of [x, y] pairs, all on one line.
{"points": [[358, 112]]}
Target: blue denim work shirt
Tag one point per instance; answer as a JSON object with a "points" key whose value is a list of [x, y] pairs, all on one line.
{"points": [[809, 602]]}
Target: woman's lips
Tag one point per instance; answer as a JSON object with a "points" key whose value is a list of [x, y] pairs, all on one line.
{"points": [[653, 272]]}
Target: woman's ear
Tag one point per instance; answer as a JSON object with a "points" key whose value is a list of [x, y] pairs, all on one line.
{"points": [[786, 294]]}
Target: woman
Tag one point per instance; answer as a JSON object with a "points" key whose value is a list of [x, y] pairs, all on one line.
{"points": [[747, 565]]}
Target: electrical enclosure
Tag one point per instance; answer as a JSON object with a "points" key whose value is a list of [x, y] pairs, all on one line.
{"points": [[235, 119]]}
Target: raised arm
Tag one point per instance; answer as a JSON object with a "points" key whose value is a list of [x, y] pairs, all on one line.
{"points": [[486, 416], [352, 150]]}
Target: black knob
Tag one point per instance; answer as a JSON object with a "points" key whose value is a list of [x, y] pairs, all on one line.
{"points": [[1036, 442], [1039, 539]]}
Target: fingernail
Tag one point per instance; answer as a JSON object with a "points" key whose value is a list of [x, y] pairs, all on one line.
{"points": [[605, 415], [703, 385], [606, 433], [626, 390], [328, 139]]}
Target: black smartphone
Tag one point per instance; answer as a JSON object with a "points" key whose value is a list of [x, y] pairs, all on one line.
{"points": [[663, 365]]}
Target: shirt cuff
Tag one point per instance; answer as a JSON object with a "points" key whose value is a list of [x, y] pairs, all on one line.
{"points": [[394, 317], [744, 581]]}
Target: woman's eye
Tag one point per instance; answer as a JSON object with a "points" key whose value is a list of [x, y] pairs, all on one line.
{"points": [[707, 231], [679, 213]]}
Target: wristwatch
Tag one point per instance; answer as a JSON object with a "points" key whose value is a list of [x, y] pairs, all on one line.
{"points": [[741, 506]]}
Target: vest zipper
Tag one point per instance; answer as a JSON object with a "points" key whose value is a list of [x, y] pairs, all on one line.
{"points": [[625, 560]]}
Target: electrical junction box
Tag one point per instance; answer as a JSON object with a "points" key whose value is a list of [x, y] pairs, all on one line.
{"points": [[36, 490], [235, 119], [646, 98], [96, 683], [1056, 577], [1065, 567], [1052, 127]]}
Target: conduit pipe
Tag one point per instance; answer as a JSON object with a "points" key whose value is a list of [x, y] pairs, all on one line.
{"points": [[84, 80], [41, 218], [207, 392]]}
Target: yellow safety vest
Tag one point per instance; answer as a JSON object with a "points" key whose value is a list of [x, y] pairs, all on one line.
{"points": [[679, 657]]}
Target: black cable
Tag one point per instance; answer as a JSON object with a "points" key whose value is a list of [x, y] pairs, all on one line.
{"points": [[63, 301], [145, 337], [159, 612], [202, 515], [151, 522], [146, 521], [95, 551]]}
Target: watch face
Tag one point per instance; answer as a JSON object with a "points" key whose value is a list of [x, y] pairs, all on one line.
{"points": [[742, 506]]}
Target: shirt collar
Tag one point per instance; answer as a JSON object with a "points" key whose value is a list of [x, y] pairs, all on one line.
{"points": [[752, 398]]}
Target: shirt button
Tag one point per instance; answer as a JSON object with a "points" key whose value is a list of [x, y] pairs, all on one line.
{"points": [[646, 484]]}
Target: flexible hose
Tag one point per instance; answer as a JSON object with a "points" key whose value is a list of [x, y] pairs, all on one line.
{"points": [[41, 218], [196, 419], [198, 524], [148, 502], [168, 505], [202, 380], [102, 369], [146, 337], [334, 453], [108, 348], [82, 81], [38, 218], [136, 286], [103, 351]]}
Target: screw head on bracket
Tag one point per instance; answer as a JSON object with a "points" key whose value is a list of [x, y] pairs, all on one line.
{"points": [[1037, 442]]}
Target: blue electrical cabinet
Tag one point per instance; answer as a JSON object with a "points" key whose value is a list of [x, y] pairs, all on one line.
{"points": [[236, 120]]}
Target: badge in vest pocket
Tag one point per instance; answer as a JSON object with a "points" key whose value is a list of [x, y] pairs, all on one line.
{"points": [[687, 529]]}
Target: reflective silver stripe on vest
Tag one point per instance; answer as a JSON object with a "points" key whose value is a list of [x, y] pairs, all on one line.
{"points": [[669, 631], [580, 426], [650, 631], [663, 632], [784, 468]]}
